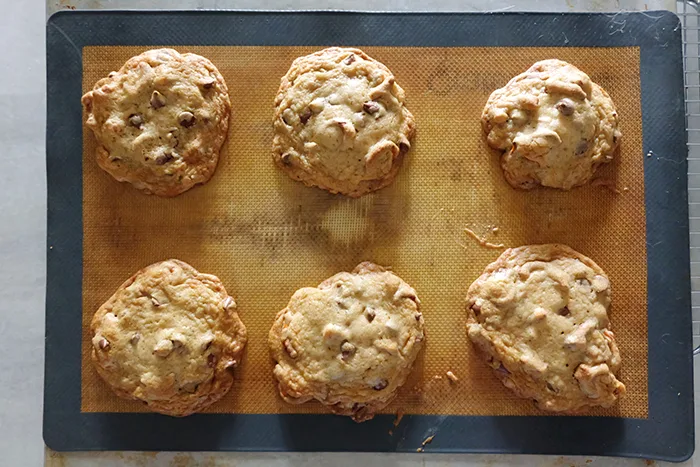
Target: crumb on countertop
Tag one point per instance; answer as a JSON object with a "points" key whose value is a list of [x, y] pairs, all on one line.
{"points": [[452, 377]]}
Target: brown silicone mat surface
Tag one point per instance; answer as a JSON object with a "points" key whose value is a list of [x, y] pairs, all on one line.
{"points": [[265, 235]]}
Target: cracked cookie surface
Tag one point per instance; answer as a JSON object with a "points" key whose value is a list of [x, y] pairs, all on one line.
{"points": [[349, 343], [160, 121], [340, 122], [538, 316], [554, 126], [169, 337]]}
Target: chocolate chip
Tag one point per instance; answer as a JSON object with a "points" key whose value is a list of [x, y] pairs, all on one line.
{"points": [[103, 344], [157, 100], [347, 350], [186, 119], [380, 385], [286, 158], [418, 316], [581, 148], [135, 338], [503, 370], [305, 116], [370, 107], [155, 302], [564, 311], [208, 84], [135, 120], [190, 387], [476, 309], [163, 159], [552, 388], [359, 411], [350, 59], [566, 107], [211, 360], [370, 314]]}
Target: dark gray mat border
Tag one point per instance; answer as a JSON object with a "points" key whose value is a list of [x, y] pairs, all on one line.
{"points": [[667, 434]]}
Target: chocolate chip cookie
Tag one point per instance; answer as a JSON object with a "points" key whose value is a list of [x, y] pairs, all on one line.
{"points": [[160, 121], [539, 316], [349, 343], [340, 122], [169, 337], [554, 126]]}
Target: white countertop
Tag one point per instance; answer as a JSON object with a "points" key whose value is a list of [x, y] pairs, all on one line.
{"points": [[23, 240]]}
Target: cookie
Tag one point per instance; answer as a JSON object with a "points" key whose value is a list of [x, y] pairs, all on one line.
{"points": [[349, 343], [340, 122], [554, 126], [160, 121], [169, 337], [539, 316]]}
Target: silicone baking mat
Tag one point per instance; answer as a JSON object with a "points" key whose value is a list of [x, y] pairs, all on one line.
{"points": [[265, 235]]}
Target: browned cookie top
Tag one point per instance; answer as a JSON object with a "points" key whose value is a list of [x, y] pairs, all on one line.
{"points": [[554, 125], [340, 122], [170, 337], [160, 121], [350, 343], [538, 315]]}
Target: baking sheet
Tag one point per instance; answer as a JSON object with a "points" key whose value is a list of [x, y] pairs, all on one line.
{"points": [[262, 226], [265, 235]]}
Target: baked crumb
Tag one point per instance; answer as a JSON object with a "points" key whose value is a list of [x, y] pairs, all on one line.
{"points": [[452, 377], [483, 242], [399, 416], [605, 183], [426, 441]]}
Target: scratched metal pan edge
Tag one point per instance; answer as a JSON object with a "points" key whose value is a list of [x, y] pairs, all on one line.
{"points": [[667, 434]]}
